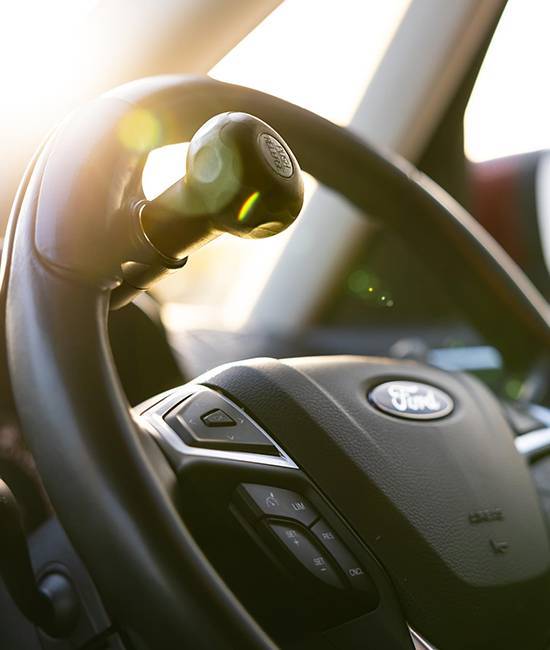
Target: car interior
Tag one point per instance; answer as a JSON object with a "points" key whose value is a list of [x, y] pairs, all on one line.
{"points": [[275, 334]]}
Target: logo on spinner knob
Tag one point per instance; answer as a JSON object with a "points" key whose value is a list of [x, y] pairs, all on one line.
{"points": [[276, 155]]}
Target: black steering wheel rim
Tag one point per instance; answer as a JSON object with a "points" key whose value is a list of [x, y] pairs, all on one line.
{"points": [[67, 392]]}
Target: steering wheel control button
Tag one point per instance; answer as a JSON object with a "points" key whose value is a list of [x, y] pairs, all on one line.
{"points": [[265, 500], [218, 418], [206, 419], [411, 400], [349, 565], [311, 556]]}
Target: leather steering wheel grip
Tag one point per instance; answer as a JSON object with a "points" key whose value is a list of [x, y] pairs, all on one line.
{"points": [[111, 488]]}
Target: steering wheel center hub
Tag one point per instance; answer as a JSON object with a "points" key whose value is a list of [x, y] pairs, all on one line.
{"points": [[464, 543]]}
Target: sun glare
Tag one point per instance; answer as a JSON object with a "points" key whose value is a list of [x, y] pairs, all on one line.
{"points": [[39, 50]]}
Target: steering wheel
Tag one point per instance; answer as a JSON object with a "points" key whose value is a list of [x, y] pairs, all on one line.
{"points": [[398, 483]]}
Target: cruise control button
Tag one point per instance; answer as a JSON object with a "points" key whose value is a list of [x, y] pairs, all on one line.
{"points": [[277, 502], [307, 552], [206, 419], [343, 557]]}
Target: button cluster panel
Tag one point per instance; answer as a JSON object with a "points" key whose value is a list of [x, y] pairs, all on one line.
{"points": [[291, 522], [206, 419], [273, 537]]}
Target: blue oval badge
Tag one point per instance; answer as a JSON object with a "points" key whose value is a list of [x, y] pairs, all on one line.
{"points": [[412, 400]]}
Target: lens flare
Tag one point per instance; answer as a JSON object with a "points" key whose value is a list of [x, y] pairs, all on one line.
{"points": [[247, 206], [139, 130]]}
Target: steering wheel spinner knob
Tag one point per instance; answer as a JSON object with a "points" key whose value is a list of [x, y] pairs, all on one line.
{"points": [[241, 178]]}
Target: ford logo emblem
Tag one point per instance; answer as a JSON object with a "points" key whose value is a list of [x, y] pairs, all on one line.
{"points": [[411, 399]]}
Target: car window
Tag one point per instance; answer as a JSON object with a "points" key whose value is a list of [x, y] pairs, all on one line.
{"points": [[509, 109]]}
